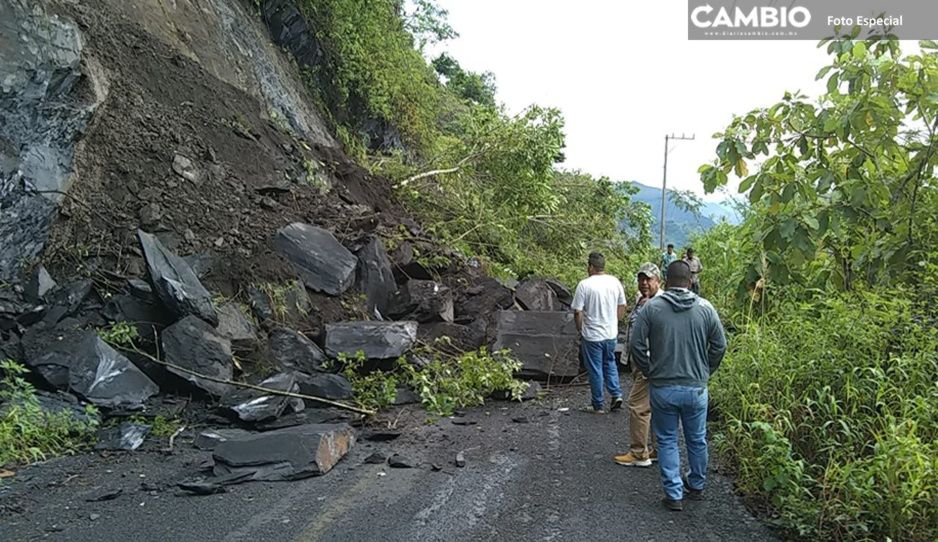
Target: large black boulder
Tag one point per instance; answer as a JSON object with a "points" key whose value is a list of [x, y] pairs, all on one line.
{"points": [[377, 340], [319, 259], [292, 350], [80, 361], [546, 342], [375, 277], [324, 385], [148, 316], [422, 300], [235, 326], [192, 345], [483, 300], [175, 282], [536, 295], [284, 454]]}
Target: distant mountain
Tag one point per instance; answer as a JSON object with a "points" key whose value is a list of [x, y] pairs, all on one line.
{"points": [[681, 224]]}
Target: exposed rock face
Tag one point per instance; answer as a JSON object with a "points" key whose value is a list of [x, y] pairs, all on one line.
{"points": [[545, 342], [376, 340], [284, 454], [176, 283], [45, 106], [463, 337], [320, 260]]}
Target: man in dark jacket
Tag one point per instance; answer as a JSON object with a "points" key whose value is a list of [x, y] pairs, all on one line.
{"points": [[677, 343]]}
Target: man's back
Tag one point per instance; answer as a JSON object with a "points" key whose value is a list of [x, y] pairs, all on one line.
{"points": [[684, 336], [599, 297]]}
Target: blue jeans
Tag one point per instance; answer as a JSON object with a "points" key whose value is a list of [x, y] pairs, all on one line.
{"points": [[600, 360], [670, 404]]}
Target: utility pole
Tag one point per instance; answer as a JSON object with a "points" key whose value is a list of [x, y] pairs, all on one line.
{"points": [[664, 181]]}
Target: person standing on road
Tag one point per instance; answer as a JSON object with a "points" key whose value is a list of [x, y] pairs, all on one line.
{"points": [[641, 450], [678, 343], [695, 268], [598, 305], [667, 258]]}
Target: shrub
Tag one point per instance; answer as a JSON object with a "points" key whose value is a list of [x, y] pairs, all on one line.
{"points": [[831, 411], [27, 432]]}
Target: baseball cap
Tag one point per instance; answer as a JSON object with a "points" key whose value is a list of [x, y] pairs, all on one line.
{"points": [[650, 270]]}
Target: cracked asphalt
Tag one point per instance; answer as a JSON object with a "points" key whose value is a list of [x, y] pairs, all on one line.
{"points": [[534, 472]]}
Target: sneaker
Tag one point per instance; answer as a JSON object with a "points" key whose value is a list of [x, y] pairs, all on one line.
{"points": [[630, 460], [672, 505], [653, 456], [691, 493], [616, 404], [592, 410]]}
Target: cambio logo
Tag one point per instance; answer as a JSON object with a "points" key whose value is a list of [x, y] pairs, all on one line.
{"points": [[756, 17]]}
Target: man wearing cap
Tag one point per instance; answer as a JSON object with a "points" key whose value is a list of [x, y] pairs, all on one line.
{"points": [[641, 450], [678, 343], [695, 268]]}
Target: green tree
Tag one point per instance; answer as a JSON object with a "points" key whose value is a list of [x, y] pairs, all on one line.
{"points": [[843, 187]]}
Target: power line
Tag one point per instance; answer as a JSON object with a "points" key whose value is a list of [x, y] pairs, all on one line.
{"points": [[664, 181]]}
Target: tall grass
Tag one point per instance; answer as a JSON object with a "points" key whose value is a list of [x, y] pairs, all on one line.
{"points": [[831, 414]]}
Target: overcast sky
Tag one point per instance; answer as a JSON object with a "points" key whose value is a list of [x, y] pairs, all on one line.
{"points": [[624, 74]]}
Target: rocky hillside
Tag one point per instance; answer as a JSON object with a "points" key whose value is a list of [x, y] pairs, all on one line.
{"points": [[163, 166]]}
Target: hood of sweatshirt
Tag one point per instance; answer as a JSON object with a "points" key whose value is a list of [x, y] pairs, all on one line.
{"points": [[680, 299]]}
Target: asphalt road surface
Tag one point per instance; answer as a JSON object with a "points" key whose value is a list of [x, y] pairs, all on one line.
{"points": [[533, 472]]}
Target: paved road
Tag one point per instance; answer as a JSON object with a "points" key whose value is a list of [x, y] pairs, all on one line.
{"points": [[549, 479]]}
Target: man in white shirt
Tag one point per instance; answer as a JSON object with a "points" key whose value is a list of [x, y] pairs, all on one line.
{"points": [[598, 305]]}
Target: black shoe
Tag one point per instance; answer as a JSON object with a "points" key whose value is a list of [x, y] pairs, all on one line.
{"points": [[616, 404], [691, 493], [672, 505]]}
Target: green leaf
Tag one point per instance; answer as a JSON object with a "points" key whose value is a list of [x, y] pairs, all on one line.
{"points": [[740, 169], [820, 75]]}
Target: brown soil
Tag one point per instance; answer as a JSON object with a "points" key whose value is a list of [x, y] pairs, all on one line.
{"points": [[162, 104]]}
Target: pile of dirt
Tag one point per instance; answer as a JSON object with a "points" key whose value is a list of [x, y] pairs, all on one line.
{"points": [[182, 154]]}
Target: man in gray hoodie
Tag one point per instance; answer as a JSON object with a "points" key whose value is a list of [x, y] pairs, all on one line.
{"points": [[677, 343]]}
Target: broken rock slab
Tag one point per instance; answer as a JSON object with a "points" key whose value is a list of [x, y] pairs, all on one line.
{"points": [[546, 342], [80, 361], [327, 386], [126, 436], [251, 405], [291, 349], [40, 284], [422, 300], [482, 300], [210, 438], [194, 345], [376, 340], [536, 295], [375, 277], [285, 454], [236, 327], [320, 260], [175, 282]]}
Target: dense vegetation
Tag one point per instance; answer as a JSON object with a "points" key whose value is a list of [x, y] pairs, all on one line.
{"points": [[829, 393], [483, 180]]}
